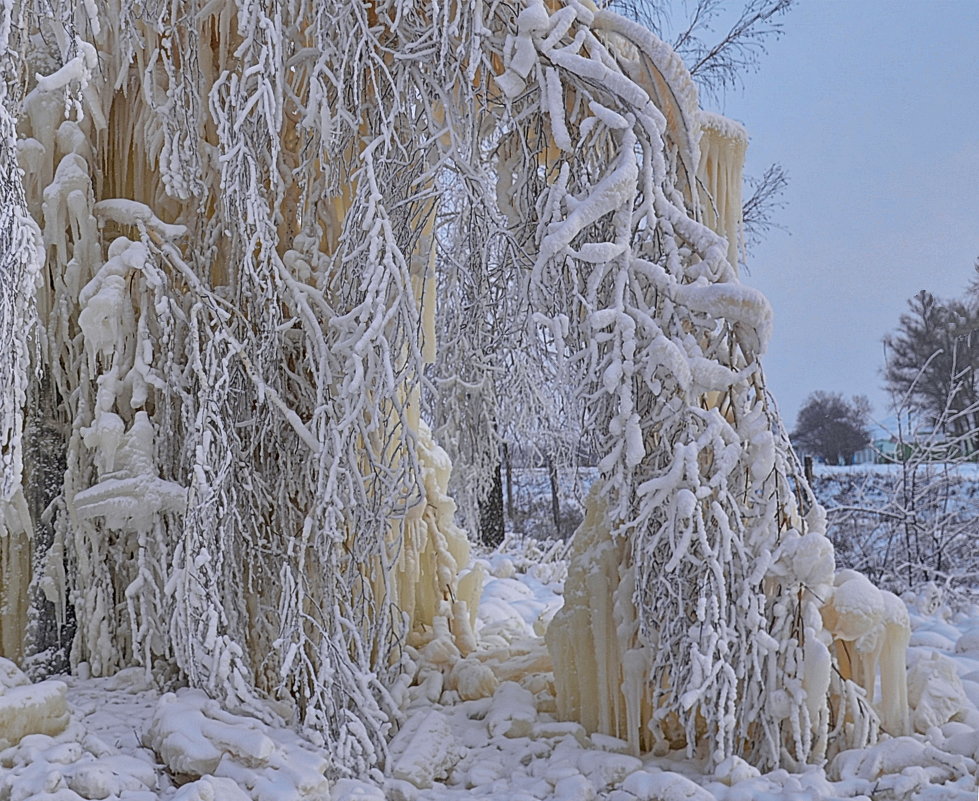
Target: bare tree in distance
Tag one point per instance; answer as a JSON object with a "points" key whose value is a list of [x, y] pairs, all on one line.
{"points": [[931, 363], [831, 428], [915, 525]]}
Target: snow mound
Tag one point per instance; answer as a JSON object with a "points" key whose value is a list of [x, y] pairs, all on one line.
{"points": [[931, 639], [73, 766], [968, 642], [895, 756], [11, 676], [664, 786], [356, 790], [605, 770], [195, 738], [962, 740], [734, 770], [513, 713], [211, 789], [935, 692], [424, 750], [471, 679], [27, 708]]}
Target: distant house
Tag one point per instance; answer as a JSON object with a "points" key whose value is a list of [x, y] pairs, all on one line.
{"points": [[929, 449], [885, 450], [865, 455]]}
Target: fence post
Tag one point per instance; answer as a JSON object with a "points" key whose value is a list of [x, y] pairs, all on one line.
{"points": [[555, 502]]}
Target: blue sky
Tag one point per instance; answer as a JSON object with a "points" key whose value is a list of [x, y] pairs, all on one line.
{"points": [[872, 107]]}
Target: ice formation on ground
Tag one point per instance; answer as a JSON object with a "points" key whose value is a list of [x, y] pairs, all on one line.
{"points": [[27, 708], [130, 741], [194, 738]]}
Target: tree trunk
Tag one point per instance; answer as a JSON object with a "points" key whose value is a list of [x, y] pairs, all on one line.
{"points": [[46, 641], [491, 518], [508, 465]]}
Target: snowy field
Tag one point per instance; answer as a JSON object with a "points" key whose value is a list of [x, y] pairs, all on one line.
{"points": [[122, 738], [965, 470]]}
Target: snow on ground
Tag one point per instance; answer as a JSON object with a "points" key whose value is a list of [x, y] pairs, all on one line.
{"points": [[877, 485], [484, 730]]}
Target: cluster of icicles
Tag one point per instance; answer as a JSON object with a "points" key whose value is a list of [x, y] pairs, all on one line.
{"points": [[241, 230]]}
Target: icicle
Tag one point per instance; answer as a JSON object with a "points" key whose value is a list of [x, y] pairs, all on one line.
{"points": [[722, 148]]}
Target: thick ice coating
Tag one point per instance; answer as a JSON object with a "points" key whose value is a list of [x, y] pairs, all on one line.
{"points": [[266, 276]]}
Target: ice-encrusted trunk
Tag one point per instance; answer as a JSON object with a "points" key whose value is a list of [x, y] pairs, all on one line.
{"points": [[20, 262]]}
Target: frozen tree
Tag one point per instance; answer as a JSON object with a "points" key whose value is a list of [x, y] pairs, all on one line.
{"points": [[248, 493], [719, 48], [240, 230]]}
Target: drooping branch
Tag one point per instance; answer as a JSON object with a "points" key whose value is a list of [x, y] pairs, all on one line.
{"points": [[717, 62]]}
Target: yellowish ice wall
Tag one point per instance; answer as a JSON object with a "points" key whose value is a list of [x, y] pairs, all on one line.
{"points": [[15, 575]]}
